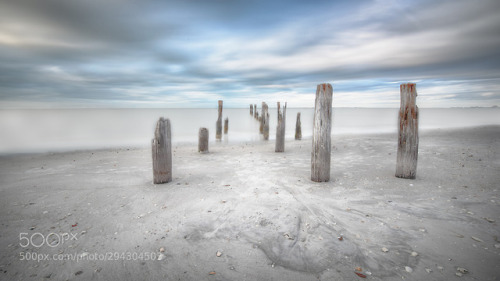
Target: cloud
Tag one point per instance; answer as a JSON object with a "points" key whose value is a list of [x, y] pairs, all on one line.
{"points": [[190, 53]]}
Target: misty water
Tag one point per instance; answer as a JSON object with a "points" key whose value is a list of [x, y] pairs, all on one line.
{"points": [[45, 130]]}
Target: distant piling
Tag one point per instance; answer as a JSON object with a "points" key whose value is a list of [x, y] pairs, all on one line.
{"points": [[226, 125], [280, 130], [298, 129], [321, 141], [218, 130], [162, 152], [203, 140], [255, 112], [251, 109], [406, 166]]}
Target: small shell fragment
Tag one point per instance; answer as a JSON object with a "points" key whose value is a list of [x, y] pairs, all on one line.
{"points": [[360, 274], [476, 239]]}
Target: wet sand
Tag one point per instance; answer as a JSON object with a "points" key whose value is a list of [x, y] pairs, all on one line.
{"points": [[244, 212]]}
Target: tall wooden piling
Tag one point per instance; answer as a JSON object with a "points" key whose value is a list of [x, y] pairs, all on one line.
{"points": [[406, 166], [255, 112], [261, 119], [298, 128], [279, 112], [203, 140], [321, 142], [280, 130], [251, 109], [162, 152], [218, 127], [226, 125], [265, 121]]}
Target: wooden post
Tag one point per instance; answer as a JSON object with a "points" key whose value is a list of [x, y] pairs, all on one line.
{"points": [[262, 119], [226, 125], [280, 130], [255, 112], [279, 112], [321, 142], [406, 166], [162, 152], [203, 140], [265, 121], [298, 129], [218, 127], [251, 110]]}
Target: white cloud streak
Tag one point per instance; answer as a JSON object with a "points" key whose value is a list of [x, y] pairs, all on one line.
{"points": [[131, 55]]}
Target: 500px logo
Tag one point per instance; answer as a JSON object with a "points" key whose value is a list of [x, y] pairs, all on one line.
{"points": [[52, 239]]}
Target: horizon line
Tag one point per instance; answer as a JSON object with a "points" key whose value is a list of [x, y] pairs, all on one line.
{"points": [[247, 108]]}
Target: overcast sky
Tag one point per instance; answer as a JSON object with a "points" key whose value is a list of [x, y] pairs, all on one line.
{"points": [[156, 53]]}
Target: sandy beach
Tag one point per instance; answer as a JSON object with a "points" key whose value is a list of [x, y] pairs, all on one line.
{"points": [[244, 212]]}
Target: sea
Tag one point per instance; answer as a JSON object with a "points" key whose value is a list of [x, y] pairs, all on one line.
{"points": [[53, 130]]}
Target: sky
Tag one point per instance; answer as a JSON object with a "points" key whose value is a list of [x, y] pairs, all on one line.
{"points": [[191, 53]]}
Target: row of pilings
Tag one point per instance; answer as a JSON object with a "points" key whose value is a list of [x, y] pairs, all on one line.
{"points": [[407, 151]]}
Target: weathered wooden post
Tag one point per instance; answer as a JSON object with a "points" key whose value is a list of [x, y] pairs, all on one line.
{"points": [[279, 112], [266, 127], [262, 119], [265, 121], [255, 112], [218, 128], [280, 130], [226, 125], [298, 129], [321, 142], [162, 152], [203, 140], [406, 166], [251, 110]]}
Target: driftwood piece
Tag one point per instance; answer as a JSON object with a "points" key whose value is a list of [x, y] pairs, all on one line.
{"points": [[218, 127], [226, 125], [298, 128], [280, 130], [203, 140], [162, 152], [321, 141], [406, 166]]}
